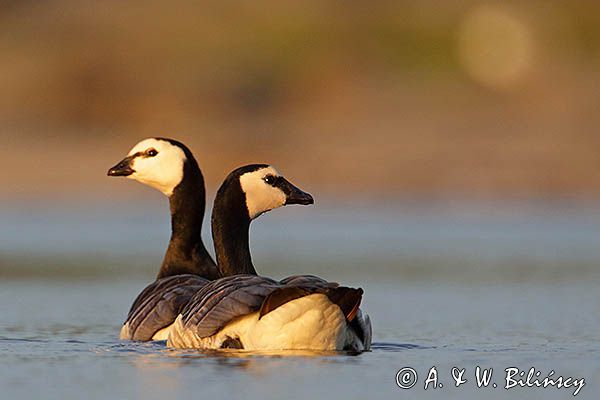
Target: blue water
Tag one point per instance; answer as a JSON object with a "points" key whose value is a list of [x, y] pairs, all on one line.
{"points": [[462, 289]]}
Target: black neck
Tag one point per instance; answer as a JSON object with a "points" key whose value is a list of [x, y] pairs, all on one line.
{"points": [[230, 230], [186, 253]]}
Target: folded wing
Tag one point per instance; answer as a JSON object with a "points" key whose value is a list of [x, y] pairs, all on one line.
{"points": [[159, 304], [220, 302]]}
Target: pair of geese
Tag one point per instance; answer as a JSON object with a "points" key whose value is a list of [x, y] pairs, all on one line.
{"points": [[195, 303]]}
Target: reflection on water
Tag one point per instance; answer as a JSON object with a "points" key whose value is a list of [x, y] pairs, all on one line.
{"points": [[250, 361], [442, 289], [386, 346], [59, 340]]}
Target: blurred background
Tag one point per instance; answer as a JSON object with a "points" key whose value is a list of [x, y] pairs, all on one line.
{"points": [[452, 147], [427, 131]]}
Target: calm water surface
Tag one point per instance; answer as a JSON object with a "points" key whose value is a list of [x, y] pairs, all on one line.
{"points": [[442, 291], [59, 340]]}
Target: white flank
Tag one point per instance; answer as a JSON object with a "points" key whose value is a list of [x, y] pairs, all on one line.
{"points": [[260, 196], [163, 171], [309, 323], [124, 334], [162, 334]]}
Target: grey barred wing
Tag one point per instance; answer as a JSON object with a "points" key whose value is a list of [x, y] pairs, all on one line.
{"points": [[221, 301], [225, 299], [310, 280], [159, 304]]}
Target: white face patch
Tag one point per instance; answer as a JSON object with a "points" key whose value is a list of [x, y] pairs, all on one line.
{"points": [[164, 171], [260, 196]]}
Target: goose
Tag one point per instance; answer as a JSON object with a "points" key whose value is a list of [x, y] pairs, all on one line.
{"points": [[169, 166], [245, 311]]}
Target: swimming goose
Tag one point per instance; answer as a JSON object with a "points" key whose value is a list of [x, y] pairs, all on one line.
{"points": [[258, 313], [169, 166]]}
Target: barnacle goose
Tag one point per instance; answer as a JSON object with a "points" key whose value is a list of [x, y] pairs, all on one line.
{"points": [[308, 312], [251, 312], [169, 166]]}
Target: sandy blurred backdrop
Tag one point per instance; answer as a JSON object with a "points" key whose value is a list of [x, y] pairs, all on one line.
{"points": [[427, 99]]}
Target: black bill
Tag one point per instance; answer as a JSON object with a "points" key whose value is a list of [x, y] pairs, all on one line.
{"points": [[293, 195], [123, 168]]}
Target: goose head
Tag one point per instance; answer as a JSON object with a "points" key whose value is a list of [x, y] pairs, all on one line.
{"points": [[156, 162], [247, 193], [261, 189]]}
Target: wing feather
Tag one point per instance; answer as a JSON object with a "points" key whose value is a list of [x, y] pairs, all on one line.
{"points": [[221, 301], [158, 305]]}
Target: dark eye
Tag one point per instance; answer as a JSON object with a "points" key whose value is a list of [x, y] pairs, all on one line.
{"points": [[151, 153], [269, 179]]}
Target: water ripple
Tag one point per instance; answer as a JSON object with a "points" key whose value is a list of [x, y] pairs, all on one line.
{"points": [[388, 346]]}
